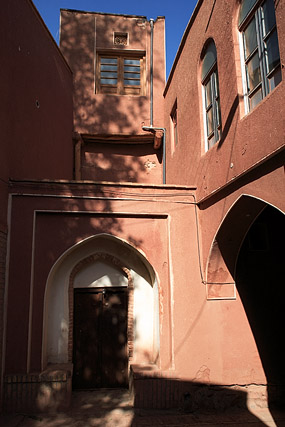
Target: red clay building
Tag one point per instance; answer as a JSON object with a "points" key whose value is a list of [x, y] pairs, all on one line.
{"points": [[142, 238]]}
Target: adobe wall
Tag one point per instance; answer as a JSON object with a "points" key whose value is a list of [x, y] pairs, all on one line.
{"points": [[224, 172], [246, 140], [150, 218], [121, 162], [84, 34], [36, 99], [36, 111], [247, 161], [36, 106], [201, 341]]}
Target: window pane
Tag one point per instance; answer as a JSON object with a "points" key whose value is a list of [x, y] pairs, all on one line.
{"points": [[132, 75], [209, 119], [275, 79], [106, 74], [216, 84], [271, 52], [245, 9], [208, 94], [250, 38], [108, 67], [132, 61], [255, 99], [108, 60], [132, 82], [210, 59], [253, 72], [268, 16], [217, 111], [108, 81], [132, 69]]}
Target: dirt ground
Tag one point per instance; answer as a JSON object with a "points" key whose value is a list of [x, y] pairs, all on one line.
{"points": [[113, 408]]}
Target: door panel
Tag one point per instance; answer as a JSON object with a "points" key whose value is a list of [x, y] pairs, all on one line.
{"points": [[86, 351], [114, 339], [100, 338]]}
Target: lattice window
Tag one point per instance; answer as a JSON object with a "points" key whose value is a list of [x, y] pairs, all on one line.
{"points": [[121, 39]]}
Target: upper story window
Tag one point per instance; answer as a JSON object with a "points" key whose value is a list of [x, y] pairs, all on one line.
{"points": [[211, 97], [260, 51], [120, 74]]}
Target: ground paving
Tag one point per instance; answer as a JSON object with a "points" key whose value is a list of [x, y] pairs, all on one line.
{"points": [[113, 408]]}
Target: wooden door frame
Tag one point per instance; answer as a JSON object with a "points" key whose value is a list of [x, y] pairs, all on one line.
{"points": [[115, 262]]}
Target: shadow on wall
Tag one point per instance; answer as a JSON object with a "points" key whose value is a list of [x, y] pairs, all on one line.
{"points": [[109, 114], [121, 162], [97, 113], [79, 219], [260, 283], [251, 244], [75, 220]]}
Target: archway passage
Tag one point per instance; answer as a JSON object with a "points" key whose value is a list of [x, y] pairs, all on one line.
{"points": [[260, 283], [100, 338], [101, 262]]}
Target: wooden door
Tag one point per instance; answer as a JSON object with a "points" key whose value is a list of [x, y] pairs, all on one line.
{"points": [[100, 338]]}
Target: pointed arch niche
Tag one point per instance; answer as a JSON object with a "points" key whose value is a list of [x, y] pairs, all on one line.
{"points": [[90, 263], [220, 272]]}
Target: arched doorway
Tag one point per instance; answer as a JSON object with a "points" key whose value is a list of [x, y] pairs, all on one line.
{"points": [[260, 282], [101, 297], [248, 252], [102, 269]]}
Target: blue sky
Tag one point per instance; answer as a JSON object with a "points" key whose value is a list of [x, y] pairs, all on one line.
{"points": [[177, 14]]}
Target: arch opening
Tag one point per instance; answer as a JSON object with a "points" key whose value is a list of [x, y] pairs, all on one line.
{"points": [[224, 250], [248, 250], [99, 265], [260, 284]]}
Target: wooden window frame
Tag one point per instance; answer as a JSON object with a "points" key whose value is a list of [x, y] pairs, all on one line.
{"points": [[254, 15], [211, 97], [120, 88], [212, 104]]}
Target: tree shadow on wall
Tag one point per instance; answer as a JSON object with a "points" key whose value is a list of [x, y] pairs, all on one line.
{"points": [[82, 35]]}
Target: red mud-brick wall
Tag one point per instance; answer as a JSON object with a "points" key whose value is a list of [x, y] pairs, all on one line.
{"points": [[153, 389]]}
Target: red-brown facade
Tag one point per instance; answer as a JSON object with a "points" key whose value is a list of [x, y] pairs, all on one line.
{"points": [[126, 195]]}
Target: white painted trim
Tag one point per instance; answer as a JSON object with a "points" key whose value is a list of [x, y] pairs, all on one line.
{"points": [[204, 120], [243, 74]]}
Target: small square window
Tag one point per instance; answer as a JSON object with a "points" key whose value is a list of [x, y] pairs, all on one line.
{"points": [[121, 39]]}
